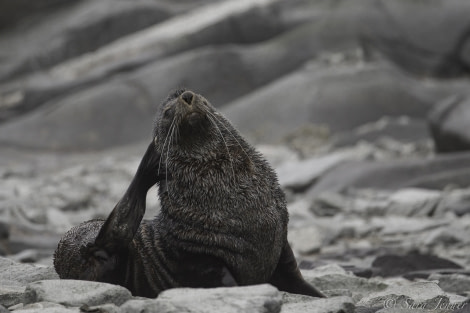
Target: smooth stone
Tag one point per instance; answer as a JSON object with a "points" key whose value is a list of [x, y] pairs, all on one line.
{"points": [[76, 292], [278, 155], [329, 204], [425, 293], [299, 212], [46, 307], [447, 236], [448, 122], [394, 265], [434, 173], [68, 28], [453, 283], [26, 256], [316, 100], [112, 308], [4, 230], [301, 174], [151, 305], [307, 239], [395, 225], [24, 273], [414, 202], [333, 280], [10, 294], [329, 305], [402, 129], [259, 298]]}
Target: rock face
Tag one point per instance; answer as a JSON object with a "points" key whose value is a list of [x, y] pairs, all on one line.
{"points": [[263, 52], [360, 105]]}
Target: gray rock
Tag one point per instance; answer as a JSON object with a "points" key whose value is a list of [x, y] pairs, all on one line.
{"points": [[432, 173], [277, 155], [456, 201], [299, 175], [13, 11], [24, 273], [260, 298], [10, 293], [153, 305], [453, 283], [82, 120], [26, 256], [396, 225], [445, 236], [425, 51], [329, 204], [402, 129], [330, 305], [68, 30], [4, 230], [310, 95], [76, 292], [333, 280], [46, 307], [299, 212], [426, 294], [224, 22], [414, 202], [373, 202], [393, 265], [307, 239], [448, 122]]}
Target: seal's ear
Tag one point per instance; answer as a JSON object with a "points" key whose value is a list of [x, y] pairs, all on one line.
{"points": [[122, 224]]}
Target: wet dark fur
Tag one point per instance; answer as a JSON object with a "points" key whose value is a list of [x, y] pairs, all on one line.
{"points": [[223, 220]]}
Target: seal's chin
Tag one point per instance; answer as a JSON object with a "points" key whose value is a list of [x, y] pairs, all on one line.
{"points": [[194, 118]]}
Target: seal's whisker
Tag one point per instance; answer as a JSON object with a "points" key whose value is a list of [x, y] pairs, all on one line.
{"points": [[170, 131], [233, 136], [164, 143], [225, 143]]}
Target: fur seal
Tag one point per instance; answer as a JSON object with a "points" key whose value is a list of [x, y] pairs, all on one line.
{"points": [[223, 219]]}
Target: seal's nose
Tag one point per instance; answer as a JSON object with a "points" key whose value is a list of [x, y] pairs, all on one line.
{"points": [[187, 97]]}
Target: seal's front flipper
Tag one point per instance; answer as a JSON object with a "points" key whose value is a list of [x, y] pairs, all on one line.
{"points": [[287, 276], [97, 250], [123, 222]]}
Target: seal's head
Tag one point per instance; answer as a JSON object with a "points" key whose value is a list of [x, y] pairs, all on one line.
{"points": [[74, 259], [186, 120]]}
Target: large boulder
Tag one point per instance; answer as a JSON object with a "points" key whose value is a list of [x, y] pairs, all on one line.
{"points": [[432, 173], [342, 97], [72, 30], [448, 123]]}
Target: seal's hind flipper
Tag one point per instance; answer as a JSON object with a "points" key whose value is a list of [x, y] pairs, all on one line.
{"points": [[122, 224], [287, 276]]}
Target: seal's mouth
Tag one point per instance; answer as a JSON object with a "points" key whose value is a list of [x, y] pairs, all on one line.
{"points": [[194, 118]]}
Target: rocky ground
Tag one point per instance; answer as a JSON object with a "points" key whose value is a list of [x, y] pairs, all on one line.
{"points": [[361, 106]]}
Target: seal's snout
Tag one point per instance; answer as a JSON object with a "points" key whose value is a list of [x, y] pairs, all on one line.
{"points": [[187, 97]]}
